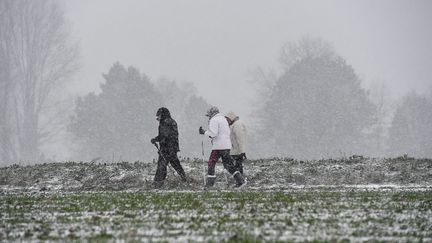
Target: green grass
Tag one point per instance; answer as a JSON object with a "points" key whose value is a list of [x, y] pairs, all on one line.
{"points": [[219, 216]]}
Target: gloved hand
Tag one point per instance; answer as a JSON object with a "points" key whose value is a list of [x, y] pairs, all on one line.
{"points": [[153, 140], [243, 155], [201, 130]]}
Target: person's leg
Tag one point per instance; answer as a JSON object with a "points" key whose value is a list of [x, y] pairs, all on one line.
{"points": [[161, 171], [175, 163], [229, 165], [211, 177], [228, 161], [238, 162]]}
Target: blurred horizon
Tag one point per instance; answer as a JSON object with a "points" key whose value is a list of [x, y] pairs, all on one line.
{"points": [[335, 77]]}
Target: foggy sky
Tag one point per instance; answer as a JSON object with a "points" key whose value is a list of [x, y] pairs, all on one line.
{"points": [[214, 43]]}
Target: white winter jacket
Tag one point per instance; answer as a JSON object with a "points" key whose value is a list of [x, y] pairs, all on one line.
{"points": [[238, 134], [219, 132]]}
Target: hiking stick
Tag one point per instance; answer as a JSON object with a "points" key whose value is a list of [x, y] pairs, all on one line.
{"points": [[226, 178], [202, 151]]}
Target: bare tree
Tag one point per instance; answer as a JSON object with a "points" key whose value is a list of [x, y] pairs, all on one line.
{"points": [[385, 108], [7, 86], [37, 56]]}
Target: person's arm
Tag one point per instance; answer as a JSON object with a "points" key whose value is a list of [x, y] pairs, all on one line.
{"points": [[158, 137], [213, 130], [164, 132], [241, 137]]}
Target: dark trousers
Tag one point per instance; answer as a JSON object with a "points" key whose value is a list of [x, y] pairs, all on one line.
{"points": [[163, 160], [226, 160], [238, 162]]}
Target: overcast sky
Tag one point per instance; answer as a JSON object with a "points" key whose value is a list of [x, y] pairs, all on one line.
{"points": [[214, 43]]}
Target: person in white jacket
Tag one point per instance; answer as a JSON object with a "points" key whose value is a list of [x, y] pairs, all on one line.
{"points": [[219, 133], [238, 140]]}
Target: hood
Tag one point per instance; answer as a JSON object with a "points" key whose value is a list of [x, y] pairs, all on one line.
{"points": [[212, 112], [232, 116], [164, 113]]}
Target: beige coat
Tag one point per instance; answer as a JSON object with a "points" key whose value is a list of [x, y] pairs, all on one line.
{"points": [[238, 134]]}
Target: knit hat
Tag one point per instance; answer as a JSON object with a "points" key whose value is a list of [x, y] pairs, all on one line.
{"points": [[231, 115], [212, 111]]}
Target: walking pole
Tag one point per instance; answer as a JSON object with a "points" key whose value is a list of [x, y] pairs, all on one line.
{"points": [[202, 151], [163, 157]]}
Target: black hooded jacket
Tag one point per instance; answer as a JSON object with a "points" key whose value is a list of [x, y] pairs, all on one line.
{"points": [[168, 132]]}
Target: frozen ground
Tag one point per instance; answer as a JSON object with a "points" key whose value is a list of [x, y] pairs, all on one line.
{"points": [[356, 199]]}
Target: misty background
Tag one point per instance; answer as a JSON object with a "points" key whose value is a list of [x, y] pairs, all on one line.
{"points": [[82, 80]]}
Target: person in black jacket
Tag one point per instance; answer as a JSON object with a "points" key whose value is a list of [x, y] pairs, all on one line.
{"points": [[169, 146]]}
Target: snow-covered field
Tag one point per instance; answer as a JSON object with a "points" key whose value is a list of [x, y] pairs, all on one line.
{"points": [[356, 199]]}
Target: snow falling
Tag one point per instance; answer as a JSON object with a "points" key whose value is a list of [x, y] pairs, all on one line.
{"points": [[334, 98]]}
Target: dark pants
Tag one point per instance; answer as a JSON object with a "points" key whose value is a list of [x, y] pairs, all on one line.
{"points": [[226, 160], [163, 160], [238, 162]]}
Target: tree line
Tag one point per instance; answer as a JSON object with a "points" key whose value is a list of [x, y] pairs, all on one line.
{"points": [[118, 123], [315, 107]]}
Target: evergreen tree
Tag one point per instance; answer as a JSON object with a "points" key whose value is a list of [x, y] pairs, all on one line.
{"points": [[316, 109], [118, 123]]}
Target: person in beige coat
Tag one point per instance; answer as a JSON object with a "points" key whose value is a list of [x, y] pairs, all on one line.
{"points": [[238, 140]]}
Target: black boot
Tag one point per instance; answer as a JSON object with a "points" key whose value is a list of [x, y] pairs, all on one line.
{"points": [[240, 167], [211, 179], [239, 179]]}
